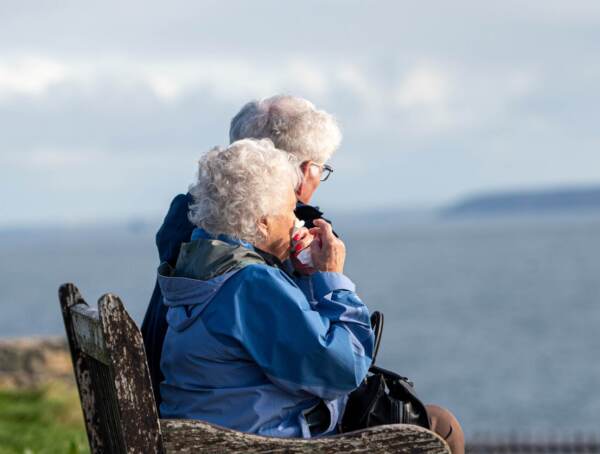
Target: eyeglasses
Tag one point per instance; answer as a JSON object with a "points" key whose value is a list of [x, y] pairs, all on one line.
{"points": [[326, 170]]}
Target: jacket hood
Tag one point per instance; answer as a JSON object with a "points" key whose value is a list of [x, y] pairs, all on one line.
{"points": [[203, 267]]}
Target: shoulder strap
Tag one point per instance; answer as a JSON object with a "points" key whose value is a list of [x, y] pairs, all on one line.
{"points": [[377, 325]]}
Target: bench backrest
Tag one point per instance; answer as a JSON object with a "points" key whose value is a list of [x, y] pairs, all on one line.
{"points": [[112, 375]]}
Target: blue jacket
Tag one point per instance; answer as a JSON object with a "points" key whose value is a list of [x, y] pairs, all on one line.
{"points": [[247, 349], [175, 230]]}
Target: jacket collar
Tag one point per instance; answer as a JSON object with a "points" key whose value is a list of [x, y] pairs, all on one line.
{"points": [[200, 233], [270, 259]]}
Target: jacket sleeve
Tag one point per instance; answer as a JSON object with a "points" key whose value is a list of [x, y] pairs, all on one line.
{"points": [[176, 229], [324, 349]]}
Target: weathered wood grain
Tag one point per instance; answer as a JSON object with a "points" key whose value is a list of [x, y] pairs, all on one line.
{"points": [[70, 297], [187, 436], [132, 384]]}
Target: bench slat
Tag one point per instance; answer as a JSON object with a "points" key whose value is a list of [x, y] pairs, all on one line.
{"points": [[88, 332]]}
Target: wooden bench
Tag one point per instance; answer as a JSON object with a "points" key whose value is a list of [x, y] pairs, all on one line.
{"points": [[120, 412]]}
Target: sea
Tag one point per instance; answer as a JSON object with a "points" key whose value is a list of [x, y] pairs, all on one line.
{"points": [[496, 319]]}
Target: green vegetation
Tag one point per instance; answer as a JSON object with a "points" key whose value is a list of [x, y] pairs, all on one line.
{"points": [[47, 420]]}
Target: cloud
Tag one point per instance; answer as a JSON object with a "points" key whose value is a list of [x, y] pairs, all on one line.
{"points": [[423, 94], [165, 88], [423, 86], [430, 105], [227, 78], [113, 112], [355, 80], [63, 159], [429, 97], [30, 76]]}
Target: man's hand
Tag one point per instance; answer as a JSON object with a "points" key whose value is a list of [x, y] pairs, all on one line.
{"points": [[328, 252]]}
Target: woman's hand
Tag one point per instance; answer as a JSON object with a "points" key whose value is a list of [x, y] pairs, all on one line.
{"points": [[301, 240], [328, 252]]}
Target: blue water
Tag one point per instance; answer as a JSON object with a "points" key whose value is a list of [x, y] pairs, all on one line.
{"points": [[497, 320]]}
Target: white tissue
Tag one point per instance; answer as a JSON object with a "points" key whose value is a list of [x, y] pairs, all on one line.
{"points": [[304, 256]]}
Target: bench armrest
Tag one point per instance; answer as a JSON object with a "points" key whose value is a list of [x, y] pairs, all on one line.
{"points": [[190, 436]]}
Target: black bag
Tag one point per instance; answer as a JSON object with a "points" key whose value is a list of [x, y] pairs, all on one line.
{"points": [[384, 397]]}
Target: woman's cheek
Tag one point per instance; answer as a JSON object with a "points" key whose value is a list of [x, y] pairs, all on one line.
{"points": [[288, 237]]}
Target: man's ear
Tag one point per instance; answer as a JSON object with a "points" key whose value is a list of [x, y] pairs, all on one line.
{"points": [[304, 170], [299, 189]]}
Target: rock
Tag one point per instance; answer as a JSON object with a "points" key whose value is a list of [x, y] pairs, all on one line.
{"points": [[33, 362]]}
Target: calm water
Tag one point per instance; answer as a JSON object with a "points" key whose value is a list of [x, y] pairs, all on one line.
{"points": [[496, 320]]}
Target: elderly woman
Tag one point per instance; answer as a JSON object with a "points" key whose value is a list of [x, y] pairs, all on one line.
{"points": [[246, 348]]}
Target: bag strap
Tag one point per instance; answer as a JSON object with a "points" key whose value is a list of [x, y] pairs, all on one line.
{"points": [[389, 374], [377, 325]]}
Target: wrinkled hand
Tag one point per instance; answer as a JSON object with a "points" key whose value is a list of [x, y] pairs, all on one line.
{"points": [[328, 252]]}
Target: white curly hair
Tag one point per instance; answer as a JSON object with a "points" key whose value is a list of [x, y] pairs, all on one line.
{"points": [[239, 185], [293, 124]]}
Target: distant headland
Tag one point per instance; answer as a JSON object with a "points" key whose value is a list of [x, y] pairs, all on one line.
{"points": [[527, 202]]}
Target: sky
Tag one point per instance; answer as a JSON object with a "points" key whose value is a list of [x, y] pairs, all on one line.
{"points": [[106, 106]]}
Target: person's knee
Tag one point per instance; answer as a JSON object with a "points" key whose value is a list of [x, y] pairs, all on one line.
{"points": [[445, 424]]}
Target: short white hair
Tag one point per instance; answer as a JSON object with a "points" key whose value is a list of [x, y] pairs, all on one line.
{"points": [[239, 185], [293, 124]]}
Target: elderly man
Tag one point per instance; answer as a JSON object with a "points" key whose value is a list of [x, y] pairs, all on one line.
{"points": [[294, 125]]}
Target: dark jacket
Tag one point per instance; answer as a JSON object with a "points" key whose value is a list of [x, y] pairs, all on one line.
{"points": [[176, 229]]}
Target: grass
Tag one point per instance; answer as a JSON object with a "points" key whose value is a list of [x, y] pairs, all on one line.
{"points": [[47, 420]]}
